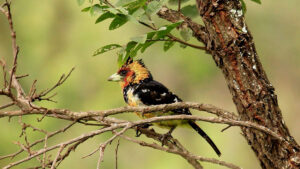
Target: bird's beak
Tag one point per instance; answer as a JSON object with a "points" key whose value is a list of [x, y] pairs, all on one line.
{"points": [[115, 77]]}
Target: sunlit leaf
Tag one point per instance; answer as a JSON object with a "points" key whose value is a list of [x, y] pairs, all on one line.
{"points": [[104, 16], [123, 2], [140, 39], [118, 22], [122, 10], [106, 48], [154, 6], [139, 12], [186, 34], [190, 11], [113, 10], [97, 9]]}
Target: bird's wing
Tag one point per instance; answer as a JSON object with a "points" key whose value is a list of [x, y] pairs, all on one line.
{"points": [[154, 93]]}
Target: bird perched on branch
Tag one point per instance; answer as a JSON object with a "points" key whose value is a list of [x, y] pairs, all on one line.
{"points": [[139, 89]]}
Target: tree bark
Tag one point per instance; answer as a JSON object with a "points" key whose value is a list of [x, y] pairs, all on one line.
{"points": [[231, 44]]}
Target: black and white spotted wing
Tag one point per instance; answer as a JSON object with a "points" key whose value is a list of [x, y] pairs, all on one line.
{"points": [[154, 93]]}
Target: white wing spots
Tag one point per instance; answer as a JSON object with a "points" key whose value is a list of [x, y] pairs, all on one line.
{"points": [[158, 99], [175, 99], [244, 29], [163, 94], [145, 90]]}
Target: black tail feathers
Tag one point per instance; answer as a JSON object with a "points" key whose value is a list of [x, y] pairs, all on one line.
{"points": [[205, 136]]}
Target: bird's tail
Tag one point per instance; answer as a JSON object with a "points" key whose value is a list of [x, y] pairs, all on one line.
{"points": [[205, 136]]}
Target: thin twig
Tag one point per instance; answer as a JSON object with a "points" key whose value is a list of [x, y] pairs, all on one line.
{"points": [[81, 137], [183, 154], [116, 153], [57, 156], [39, 141], [15, 47], [7, 105]]}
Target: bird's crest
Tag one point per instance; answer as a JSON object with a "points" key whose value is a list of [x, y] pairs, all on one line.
{"points": [[136, 72]]}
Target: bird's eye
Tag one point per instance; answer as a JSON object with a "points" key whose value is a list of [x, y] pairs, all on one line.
{"points": [[123, 72]]}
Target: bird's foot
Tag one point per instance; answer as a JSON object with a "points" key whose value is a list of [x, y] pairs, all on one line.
{"points": [[165, 138], [141, 126]]}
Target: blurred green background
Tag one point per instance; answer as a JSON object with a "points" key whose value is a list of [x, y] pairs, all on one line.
{"points": [[54, 36]]}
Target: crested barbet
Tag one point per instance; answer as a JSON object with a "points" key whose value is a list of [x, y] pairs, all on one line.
{"points": [[139, 89]]}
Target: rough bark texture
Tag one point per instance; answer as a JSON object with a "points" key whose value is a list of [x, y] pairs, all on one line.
{"points": [[231, 45]]}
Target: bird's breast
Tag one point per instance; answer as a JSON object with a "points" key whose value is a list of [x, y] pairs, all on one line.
{"points": [[132, 99]]}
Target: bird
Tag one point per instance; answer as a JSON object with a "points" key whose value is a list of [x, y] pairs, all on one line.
{"points": [[140, 89]]}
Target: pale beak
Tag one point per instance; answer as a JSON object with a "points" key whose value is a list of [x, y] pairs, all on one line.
{"points": [[115, 77]]}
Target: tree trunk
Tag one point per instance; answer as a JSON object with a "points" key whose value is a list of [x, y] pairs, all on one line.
{"points": [[230, 42]]}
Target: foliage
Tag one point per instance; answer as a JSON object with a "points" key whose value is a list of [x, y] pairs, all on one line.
{"points": [[141, 11]]}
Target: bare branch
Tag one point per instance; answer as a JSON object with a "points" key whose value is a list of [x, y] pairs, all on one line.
{"points": [[57, 156], [116, 153], [7, 105], [184, 154], [39, 141]]}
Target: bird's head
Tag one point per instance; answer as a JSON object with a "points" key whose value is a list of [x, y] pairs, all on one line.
{"points": [[132, 72]]}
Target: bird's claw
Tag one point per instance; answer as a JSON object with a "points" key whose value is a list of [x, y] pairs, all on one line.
{"points": [[165, 138]]}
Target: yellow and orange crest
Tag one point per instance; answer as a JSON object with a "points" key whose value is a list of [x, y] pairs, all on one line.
{"points": [[136, 72]]}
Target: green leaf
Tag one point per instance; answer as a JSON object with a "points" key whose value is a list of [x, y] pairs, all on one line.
{"points": [[140, 39], [80, 2], [190, 11], [120, 57], [124, 2], [163, 31], [86, 9], [186, 33], [125, 53], [154, 6], [104, 16], [139, 12], [147, 45], [122, 10], [136, 4], [168, 45], [118, 22], [106, 48], [133, 52], [256, 1], [113, 10], [175, 2], [97, 9], [150, 35], [130, 45]]}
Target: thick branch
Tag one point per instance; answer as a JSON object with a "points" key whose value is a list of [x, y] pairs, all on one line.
{"points": [[232, 47]]}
